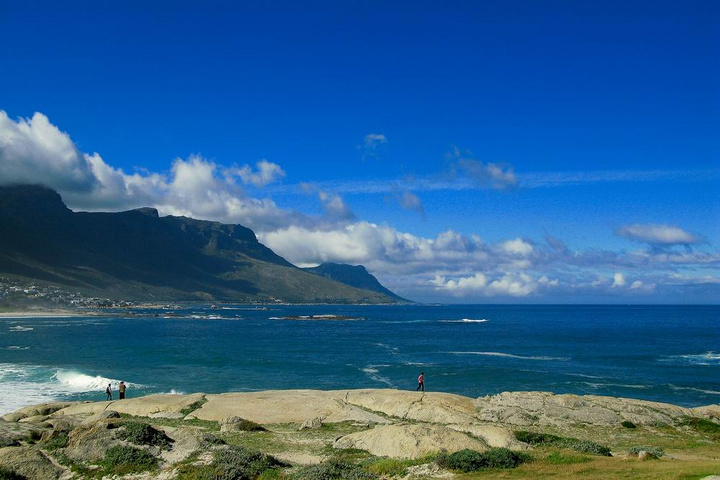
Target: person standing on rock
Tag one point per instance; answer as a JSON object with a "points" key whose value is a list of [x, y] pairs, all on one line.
{"points": [[121, 389], [108, 392], [421, 382]]}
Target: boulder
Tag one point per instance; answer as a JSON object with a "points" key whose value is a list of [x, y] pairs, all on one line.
{"points": [[311, 423], [105, 414], [30, 463], [492, 435], [430, 407], [548, 409], [14, 416], [140, 406], [34, 419], [283, 406], [89, 443], [11, 433], [409, 441]]}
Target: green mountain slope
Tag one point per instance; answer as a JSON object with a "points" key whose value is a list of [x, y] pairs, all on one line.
{"points": [[353, 275], [142, 256]]}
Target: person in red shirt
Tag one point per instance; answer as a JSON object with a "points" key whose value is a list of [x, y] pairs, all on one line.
{"points": [[421, 382]]}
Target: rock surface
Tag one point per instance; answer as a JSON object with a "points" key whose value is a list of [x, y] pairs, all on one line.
{"points": [[30, 463], [545, 408], [409, 441]]}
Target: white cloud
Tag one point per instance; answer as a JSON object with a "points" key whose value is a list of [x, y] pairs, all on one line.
{"points": [[35, 151], [370, 144], [656, 234], [264, 173], [495, 175], [450, 265]]}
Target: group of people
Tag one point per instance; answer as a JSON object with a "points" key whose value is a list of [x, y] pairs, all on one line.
{"points": [[121, 391]]}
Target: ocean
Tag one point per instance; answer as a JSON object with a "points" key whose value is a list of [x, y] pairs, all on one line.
{"points": [[661, 353]]}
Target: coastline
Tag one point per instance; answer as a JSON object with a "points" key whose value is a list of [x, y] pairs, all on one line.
{"points": [[407, 429]]}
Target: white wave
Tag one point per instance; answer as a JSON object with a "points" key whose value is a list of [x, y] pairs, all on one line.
{"points": [[620, 385], [707, 358], [174, 392], [20, 328], [417, 364], [582, 375], [23, 385], [510, 355], [701, 390], [80, 382], [16, 347], [372, 372], [465, 320]]}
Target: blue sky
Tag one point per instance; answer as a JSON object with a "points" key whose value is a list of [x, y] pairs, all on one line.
{"points": [[504, 120]]}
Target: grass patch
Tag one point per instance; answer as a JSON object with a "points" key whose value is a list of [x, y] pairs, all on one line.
{"points": [[656, 451], [561, 458], [123, 459], [247, 426], [546, 439], [628, 424], [59, 440], [144, 434], [471, 460], [334, 469], [193, 406]]}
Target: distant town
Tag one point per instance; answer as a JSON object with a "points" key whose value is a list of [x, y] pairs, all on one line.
{"points": [[17, 294]]}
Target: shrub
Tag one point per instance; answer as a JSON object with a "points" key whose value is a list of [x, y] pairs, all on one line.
{"points": [[702, 425], [123, 459], [656, 451], [471, 460], [628, 424], [240, 463], [559, 458], [6, 474], [249, 426], [334, 469], [143, 434], [193, 406], [546, 439]]}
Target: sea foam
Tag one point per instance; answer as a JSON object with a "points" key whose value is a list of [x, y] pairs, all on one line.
{"points": [[510, 355]]}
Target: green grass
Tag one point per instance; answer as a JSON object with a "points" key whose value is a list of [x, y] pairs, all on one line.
{"points": [[702, 425], [546, 439], [59, 440], [564, 458]]}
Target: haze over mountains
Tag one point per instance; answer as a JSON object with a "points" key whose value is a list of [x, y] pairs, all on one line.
{"points": [[138, 255]]}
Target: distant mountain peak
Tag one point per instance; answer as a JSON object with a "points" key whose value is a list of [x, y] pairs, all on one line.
{"points": [[138, 255]]}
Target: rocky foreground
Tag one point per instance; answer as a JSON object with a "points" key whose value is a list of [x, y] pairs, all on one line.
{"points": [[180, 435]]}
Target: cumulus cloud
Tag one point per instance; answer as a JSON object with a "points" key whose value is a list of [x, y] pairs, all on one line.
{"points": [[32, 150], [449, 265], [498, 176], [264, 173], [657, 235]]}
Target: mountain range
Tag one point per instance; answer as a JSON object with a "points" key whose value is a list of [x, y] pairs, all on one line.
{"points": [[139, 255]]}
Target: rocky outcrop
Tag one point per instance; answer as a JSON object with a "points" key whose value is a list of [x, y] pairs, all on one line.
{"points": [[409, 441], [140, 406], [548, 409], [30, 463]]}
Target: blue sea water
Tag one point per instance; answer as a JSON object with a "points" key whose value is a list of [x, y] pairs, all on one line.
{"points": [[662, 353]]}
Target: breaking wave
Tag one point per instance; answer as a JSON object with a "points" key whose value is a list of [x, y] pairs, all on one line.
{"points": [[510, 355]]}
